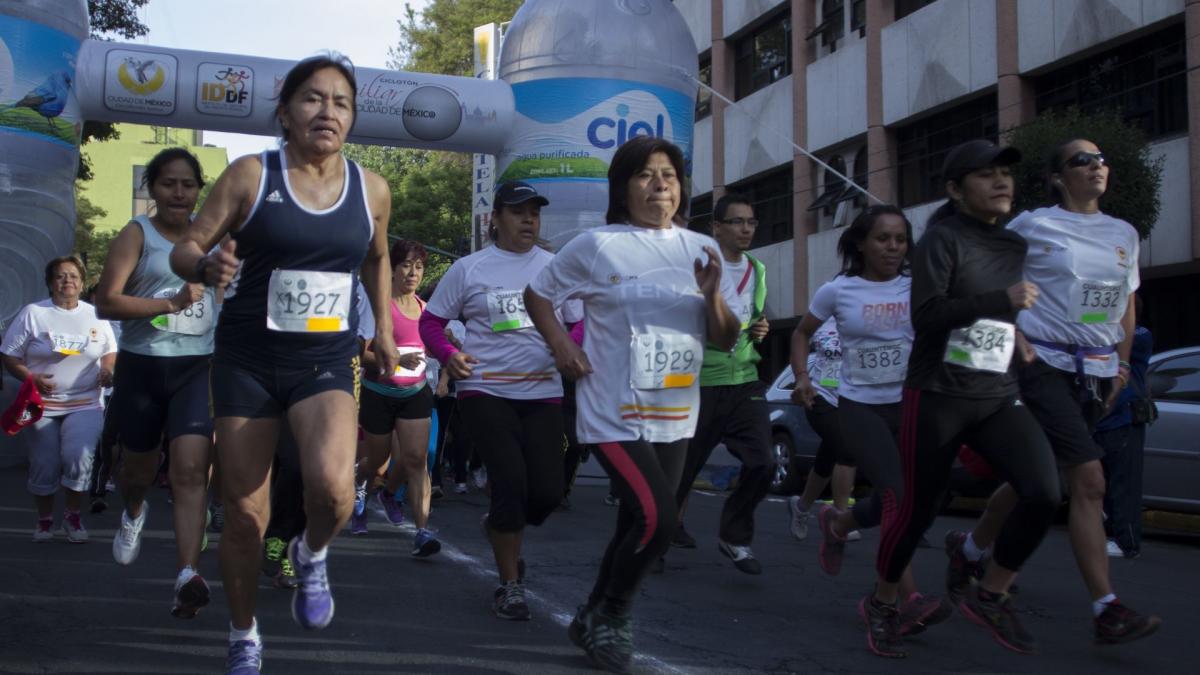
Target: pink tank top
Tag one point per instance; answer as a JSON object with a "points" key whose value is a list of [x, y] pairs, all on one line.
{"points": [[408, 340]]}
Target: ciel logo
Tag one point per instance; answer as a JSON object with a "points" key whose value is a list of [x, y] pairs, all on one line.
{"points": [[140, 76], [600, 132]]}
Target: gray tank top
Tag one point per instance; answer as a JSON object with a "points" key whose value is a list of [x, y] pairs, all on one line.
{"points": [[186, 333]]}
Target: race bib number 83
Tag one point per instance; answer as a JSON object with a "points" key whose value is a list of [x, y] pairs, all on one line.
{"points": [[664, 361], [300, 301], [195, 319]]}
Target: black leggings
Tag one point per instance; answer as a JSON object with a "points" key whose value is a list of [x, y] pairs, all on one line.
{"points": [[871, 434], [521, 445], [933, 427], [822, 417], [644, 476]]}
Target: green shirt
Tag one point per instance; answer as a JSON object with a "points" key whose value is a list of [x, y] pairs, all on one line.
{"points": [[739, 365]]}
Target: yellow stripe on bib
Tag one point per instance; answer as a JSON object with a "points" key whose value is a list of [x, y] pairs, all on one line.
{"points": [[323, 325], [680, 380]]}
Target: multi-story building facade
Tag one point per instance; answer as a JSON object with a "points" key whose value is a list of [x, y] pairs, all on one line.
{"points": [[119, 164], [882, 89]]}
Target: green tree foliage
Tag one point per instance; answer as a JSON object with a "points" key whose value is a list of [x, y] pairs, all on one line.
{"points": [[431, 191], [441, 39], [1134, 183], [90, 245]]}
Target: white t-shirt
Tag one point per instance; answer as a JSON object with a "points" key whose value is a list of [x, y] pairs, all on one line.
{"points": [[875, 325], [487, 289], [65, 343], [645, 329], [1086, 266], [825, 361], [741, 276]]}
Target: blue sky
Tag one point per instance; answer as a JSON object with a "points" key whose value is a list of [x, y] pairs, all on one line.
{"points": [[283, 29]]}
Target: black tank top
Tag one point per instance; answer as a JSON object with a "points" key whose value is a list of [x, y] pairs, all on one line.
{"points": [[281, 234]]}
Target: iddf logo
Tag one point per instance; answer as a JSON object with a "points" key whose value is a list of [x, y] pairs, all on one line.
{"points": [[224, 89], [600, 132]]}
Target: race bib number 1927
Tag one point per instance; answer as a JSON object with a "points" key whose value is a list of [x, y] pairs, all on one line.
{"points": [[300, 301]]}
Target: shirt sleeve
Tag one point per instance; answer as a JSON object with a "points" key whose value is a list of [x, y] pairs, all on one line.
{"points": [[1134, 278], [824, 302], [366, 317], [447, 300], [110, 338], [18, 334], [567, 276], [933, 266]]}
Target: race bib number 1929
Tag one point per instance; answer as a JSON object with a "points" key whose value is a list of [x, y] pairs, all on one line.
{"points": [[664, 361], [300, 301]]}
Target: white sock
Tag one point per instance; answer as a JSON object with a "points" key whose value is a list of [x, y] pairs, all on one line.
{"points": [[250, 633], [306, 555], [185, 575], [971, 551], [1099, 605]]}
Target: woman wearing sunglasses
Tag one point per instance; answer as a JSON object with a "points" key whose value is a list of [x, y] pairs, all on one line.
{"points": [[1086, 264]]}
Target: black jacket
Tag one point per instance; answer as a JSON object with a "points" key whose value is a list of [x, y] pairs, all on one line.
{"points": [[961, 271]]}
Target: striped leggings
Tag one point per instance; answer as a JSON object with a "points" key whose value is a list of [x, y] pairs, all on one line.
{"points": [[644, 476], [932, 428]]}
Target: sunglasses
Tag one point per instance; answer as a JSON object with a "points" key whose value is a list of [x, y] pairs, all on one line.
{"points": [[1084, 158]]}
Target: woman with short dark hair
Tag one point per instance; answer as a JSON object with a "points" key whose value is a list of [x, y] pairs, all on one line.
{"points": [[653, 295], [69, 353], [304, 222]]}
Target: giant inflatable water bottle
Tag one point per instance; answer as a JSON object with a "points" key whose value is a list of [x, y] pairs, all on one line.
{"points": [[39, 140], [587, 76]]}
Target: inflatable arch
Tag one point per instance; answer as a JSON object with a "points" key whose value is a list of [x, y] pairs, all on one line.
{"points": [[577, 78]]}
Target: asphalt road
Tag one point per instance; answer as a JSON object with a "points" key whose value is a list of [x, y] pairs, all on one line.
{"points": [[71, 609]]}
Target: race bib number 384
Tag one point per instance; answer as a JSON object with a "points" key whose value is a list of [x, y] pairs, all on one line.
{"points": [[664, 361], [984, 345], [300, 301]]}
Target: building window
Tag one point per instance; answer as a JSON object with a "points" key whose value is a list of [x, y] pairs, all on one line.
{"points": [[833, 23], [772, 200], [141, 193], [704, 96], [1144, 79], [834, 186], [906, 7], [860, 177], [858, 17], [764, 56], [700, 214], [922, 146]]}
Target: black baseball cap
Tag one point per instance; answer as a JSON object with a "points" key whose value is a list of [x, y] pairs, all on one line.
{"points": [[977, 154], [517, 192]]}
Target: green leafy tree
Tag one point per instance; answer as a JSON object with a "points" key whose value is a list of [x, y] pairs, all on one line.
{"points": [[431, 191], [1136, 176], [90, 245], [441, 39]]}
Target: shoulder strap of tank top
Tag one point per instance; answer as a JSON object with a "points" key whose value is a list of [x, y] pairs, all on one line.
{"points": [[361, 175], [150, 235]]}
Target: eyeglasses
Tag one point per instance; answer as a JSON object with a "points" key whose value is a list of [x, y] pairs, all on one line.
{"points": [[752, 222], [1084, 158]]}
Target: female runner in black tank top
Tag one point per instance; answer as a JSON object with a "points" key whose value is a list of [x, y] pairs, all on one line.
{"points": [[303, 222]]}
